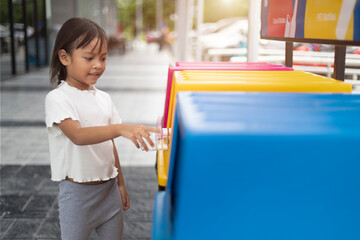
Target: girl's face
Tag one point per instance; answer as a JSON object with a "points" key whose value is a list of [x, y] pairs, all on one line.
{"points": [[85, 65]]}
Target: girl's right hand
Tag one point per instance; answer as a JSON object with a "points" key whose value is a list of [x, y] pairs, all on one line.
{"points": [[137, 133]]}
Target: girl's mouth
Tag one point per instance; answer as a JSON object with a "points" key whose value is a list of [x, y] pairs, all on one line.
{"points": [[94, 74]]}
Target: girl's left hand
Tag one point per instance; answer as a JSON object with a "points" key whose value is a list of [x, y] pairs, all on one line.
{"points": [[124, 197]]}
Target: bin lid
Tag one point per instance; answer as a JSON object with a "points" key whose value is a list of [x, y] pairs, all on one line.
{"points": [[269, 113]]}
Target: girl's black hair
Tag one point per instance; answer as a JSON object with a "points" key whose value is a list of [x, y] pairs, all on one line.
{"points": [[75, 33]]}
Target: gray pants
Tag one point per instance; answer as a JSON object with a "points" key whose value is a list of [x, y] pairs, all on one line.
{"points": [[84, 208]]}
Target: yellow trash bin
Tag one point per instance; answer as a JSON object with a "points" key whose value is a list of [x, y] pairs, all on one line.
{"points": [[254, 81]]}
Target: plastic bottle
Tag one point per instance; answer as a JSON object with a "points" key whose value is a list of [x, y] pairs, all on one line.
{"points": [[160, 140]]}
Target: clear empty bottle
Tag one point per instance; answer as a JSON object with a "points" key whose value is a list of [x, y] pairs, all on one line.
{"points": [[160, 140]]}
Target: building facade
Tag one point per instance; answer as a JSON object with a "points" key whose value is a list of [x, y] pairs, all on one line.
{"points": [[29, 28]]}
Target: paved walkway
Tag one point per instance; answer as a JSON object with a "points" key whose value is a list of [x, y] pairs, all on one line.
{"points": [[136, 82]]}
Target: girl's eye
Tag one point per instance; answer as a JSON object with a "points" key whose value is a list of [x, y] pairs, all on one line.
{"points": [[104, 59], [88, 59]]}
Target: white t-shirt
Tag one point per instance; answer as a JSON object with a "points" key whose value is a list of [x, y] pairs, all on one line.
{"points": [[91, 108]]}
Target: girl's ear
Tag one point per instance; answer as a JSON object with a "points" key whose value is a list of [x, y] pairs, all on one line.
{"points": [[64, 57]]}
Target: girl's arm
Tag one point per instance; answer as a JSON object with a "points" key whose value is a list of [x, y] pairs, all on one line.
{"points": [[92, 135], [121, 183]]}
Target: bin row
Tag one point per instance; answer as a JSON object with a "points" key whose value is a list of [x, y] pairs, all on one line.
{"points": [[246, 77]]}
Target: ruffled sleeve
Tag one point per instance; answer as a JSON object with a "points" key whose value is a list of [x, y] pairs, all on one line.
{"points": [[58, 107]]}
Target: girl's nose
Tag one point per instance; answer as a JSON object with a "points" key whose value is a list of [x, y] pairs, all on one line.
{"points": [[97, 65]]}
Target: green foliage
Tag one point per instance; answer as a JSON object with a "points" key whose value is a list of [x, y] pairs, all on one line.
{"points": [[127, 15], [214, 10], [4, 18], [149, 14], [18, 12]]}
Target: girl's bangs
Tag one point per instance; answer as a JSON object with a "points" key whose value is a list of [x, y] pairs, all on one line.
{"points": [[88, 37]]}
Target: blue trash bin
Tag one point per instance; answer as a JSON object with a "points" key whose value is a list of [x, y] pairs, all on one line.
{"points": [[262, 166]]}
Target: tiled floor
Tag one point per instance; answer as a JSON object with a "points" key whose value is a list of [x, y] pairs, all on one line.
{"points": [[29, 208]]}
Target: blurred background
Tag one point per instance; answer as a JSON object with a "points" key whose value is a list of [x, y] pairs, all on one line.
{"points": [[29, 27], [191, 30]]}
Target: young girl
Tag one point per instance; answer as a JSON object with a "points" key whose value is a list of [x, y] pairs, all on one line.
{"points": [[82, 123]]}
